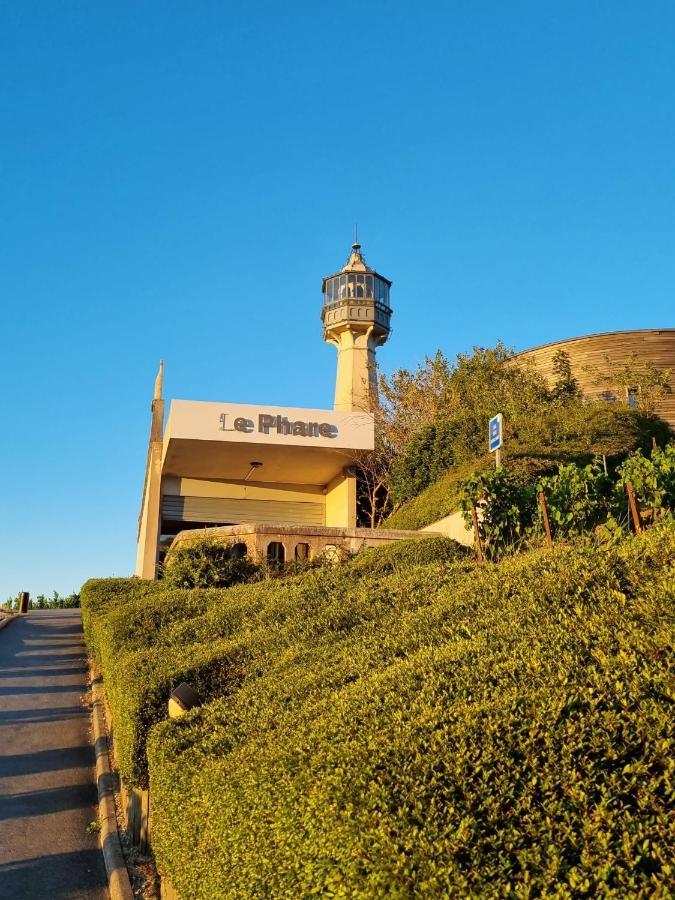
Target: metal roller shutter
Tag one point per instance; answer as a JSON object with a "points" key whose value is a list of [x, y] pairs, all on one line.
{"points": [[219, 509]]}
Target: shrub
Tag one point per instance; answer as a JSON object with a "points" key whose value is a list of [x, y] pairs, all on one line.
{"points": [[506, 508], [440, 499], [578, 499], [576, 432], [652, 478], [428, 456], [204, 564], [137, 625], [56, 601], [503, 730]]}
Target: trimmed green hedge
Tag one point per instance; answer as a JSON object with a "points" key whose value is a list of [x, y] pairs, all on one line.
{"points": [[214, 639], [403, 554], [445, 730], [100, 596]]}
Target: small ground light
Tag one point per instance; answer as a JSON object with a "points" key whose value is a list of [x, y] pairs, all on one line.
{"points": [[182, 699]]}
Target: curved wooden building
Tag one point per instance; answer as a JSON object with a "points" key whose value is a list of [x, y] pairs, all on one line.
{"points": [[591, 351]]}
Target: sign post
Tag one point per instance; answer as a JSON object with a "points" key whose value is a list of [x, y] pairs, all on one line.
{"points": [[496, 438]]}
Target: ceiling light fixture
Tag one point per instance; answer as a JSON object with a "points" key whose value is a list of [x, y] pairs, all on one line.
{"points": [[254, 465]]}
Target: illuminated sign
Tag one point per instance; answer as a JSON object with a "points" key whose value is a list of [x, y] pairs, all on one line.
{"points": [[267, 423]]}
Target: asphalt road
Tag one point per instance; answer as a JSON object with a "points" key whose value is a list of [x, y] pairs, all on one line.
{"points": [[47, 782]]}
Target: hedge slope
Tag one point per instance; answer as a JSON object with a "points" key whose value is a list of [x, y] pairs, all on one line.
{"points": [[484, 731], [146, 643]]}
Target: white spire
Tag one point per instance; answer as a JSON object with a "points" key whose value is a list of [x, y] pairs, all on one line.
{"points": [[159, 380]]}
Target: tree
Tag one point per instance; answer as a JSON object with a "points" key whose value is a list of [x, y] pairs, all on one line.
{"points": [[436, 416], [429, 455], [373, 482], [411, 400], [566, 387]]}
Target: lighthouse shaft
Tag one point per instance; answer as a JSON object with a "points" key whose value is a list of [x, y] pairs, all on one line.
{"points": [[356, 380]]}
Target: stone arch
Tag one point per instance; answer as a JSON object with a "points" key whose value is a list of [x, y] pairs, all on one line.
{"points": [[276, 555]]}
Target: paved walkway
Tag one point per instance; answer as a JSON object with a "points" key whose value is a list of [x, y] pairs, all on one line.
{"points": [[47, 781]]}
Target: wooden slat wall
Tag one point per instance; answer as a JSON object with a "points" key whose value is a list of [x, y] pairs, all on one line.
{"points": [[655, 345], [222, 510]]}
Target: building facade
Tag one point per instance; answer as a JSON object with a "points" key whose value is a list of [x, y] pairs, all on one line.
{"points": [[228, 465], [593, 357]]}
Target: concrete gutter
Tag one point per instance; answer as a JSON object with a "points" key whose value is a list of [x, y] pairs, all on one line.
{"points": [[119, 885]]}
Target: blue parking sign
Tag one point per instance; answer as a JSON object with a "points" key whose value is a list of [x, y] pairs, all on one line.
{"points": [[495, 434]]}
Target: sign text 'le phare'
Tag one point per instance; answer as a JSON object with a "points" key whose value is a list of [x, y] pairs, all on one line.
{"points": [[280, 424]]}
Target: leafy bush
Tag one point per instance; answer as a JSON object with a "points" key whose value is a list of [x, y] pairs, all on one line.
{"points": [[205, 564], [506, 506], [578, 499], [136, 625], [485, 731], [652, 478], [578, 432], [56, 601], [440, 499], [401, 555]]}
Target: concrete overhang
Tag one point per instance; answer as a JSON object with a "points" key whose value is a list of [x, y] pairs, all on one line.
{"points": [[221, 440]]}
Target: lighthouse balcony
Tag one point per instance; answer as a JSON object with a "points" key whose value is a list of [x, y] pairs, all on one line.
{"points": [[356, 310]]}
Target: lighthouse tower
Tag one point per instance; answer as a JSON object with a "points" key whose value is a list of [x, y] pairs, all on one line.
{"points": [[356, 316]]}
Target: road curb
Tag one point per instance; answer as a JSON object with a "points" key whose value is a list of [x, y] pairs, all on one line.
{"points": [[4, 622], [119, 885]]}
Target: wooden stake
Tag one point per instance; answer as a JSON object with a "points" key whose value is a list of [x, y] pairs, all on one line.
{"points": [[547, 524], [634, 508], [654, 511], [476, 534]]}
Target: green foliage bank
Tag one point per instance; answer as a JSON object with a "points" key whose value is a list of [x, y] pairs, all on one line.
{"points": [[433, 422], [148, 637], [580, 501], [489, 731], [414, 725]]}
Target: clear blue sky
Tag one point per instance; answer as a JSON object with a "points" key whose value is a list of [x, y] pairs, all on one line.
{"points": [[176, 178]]}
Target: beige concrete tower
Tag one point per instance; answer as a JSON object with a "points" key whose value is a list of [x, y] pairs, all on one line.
{"points": [[148, 521], [356, 316]]}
